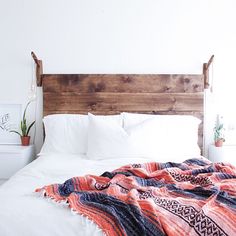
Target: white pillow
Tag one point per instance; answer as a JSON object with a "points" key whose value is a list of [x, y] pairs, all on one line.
{"points": [[108, 139], [179, 133], [130, 119], [68, 133], [160, 139], [153, 138]]}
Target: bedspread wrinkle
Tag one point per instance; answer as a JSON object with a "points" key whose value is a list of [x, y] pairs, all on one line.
{"points": [[195, 197]]}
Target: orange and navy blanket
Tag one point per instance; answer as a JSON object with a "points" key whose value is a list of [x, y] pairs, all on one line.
{"points": [[195, 197]]}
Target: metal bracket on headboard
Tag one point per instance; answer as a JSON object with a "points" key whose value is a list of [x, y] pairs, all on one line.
{"points": [[206, 72], [39, 69]]}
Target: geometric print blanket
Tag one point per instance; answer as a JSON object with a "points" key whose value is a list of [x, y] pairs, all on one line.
{"points": [[195, 197]]}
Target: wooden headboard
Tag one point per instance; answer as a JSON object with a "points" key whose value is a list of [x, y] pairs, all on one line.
{"points": [[115, 93]]}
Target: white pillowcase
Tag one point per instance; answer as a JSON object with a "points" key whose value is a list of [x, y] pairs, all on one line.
{"points": [[164, 138], [68, 133], [108, 139], [179, 133]]}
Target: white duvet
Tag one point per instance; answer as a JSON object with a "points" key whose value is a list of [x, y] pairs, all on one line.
{"points": [[24, 213]]}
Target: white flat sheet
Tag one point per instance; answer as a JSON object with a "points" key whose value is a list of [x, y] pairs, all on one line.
{"points": [[23, 213]]}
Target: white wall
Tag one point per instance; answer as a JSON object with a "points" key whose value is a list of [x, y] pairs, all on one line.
{"points": [[114, 36]]}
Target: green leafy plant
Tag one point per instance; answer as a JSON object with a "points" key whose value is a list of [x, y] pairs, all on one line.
{"points": [[25, 129], [219, 131]]}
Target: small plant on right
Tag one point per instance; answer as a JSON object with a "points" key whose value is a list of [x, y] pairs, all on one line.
{"points": [[219, 131]]}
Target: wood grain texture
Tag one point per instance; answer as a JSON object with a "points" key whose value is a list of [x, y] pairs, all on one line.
{"points": [[111, 94], [133, 102], [124, 83], [206, 67], [39, 69]]}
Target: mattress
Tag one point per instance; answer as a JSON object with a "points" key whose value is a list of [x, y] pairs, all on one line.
{"points": [[23, 212]]}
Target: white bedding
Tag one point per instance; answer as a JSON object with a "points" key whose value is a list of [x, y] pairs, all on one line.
{"points": [[23, 213]]}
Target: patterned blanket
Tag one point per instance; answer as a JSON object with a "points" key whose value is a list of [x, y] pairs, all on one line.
{"points": [[195, 197]]}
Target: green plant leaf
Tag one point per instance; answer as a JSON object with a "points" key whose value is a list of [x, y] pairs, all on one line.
{"points": [[28, 130], [24, 128], [23, 124], [13, 131], [25, 111]]}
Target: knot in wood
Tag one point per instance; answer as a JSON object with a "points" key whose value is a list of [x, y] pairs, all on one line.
{"points": [[186, 80], [167, 88], [126, 79], [92, 106]]}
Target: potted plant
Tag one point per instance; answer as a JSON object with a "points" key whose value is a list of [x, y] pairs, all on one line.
{"points": [[25, 128], [219, 133]]}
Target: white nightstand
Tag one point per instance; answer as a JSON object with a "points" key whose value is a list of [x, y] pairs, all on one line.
{"points": [[13, 158], [226, 153]]}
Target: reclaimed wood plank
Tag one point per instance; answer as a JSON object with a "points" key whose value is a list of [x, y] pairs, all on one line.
{"points": [[136, 102], [123, 83]]}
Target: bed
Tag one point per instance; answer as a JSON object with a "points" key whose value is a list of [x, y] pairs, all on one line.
{"points": [[26, 212]]}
